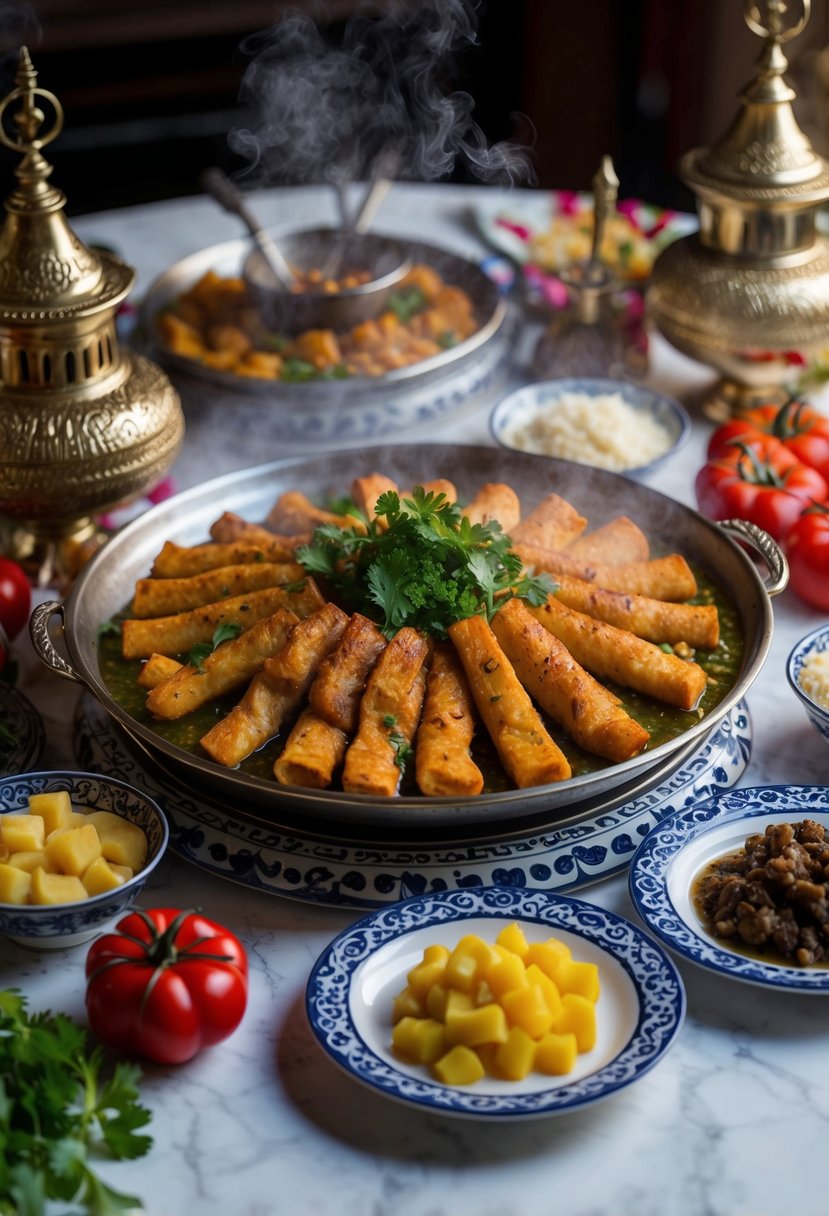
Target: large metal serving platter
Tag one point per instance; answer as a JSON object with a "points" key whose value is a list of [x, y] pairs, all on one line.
{"points": [[361, 407], [106, 585]]}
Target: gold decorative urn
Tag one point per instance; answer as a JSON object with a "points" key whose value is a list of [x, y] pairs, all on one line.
{"points": [[84, 425], [749, 293]]}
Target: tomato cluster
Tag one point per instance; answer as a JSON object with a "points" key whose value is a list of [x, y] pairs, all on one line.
{"points": [[15, 604], [771, 467]]}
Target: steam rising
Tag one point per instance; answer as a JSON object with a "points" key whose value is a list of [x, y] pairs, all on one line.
{"points": [[327, 112]]}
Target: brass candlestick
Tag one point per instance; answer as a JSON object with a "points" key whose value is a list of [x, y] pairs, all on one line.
{"points": [[84, 426], [749, 293]]}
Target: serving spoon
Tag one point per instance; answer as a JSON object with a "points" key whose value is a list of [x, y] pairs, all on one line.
{"points": [[228, 196]]}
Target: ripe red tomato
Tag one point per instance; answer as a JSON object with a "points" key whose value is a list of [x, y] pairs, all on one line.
{"points": [[807, 548], [15, 597], [800, 427], [165, 984]]}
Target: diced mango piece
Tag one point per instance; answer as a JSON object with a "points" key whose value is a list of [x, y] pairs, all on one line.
{"points": [[514, 1058], [123, 872], [56, 888], [512, 938], [460, 1066], [28, 860], [551, 993], [121, 841], [428, 972], [488, 1024], [527, 1008], [407, 1004], [15, 884], [419, 1040], [73, 851], [76, 820], [581, 978], [22, 833], [4, 852], [579, 1016], [555, 1054], [468, 963], [548, 956], [507, 973], [99, 876], [54, 809], [436, 999]]}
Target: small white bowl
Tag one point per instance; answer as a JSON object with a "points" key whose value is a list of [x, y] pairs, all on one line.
{"points": [[520, 408], [812, 644], [57, 926]]}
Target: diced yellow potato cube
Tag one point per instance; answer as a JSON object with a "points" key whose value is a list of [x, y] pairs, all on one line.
{"points": [[507, 973], [468, 963], [579, 1016], [548, 956], [435, 954], [551, 993], [555, 1054], [56, 888], [482, 994], [487, 1024], [436, 999], [22, 833], [528, 1008], [73, 851], [514, 1058], [460, 1066], [422, 977], [122, 842], [123, 872], [512, 938], [29, 860], [407, 1004], [420, 1040], [15, 884], [457, 1002], [75, 820], [4, 852], [99, 876], [54, 809], [581, 978]]}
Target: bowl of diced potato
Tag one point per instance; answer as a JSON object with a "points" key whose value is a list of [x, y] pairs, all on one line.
{"points": [[75, 850]]}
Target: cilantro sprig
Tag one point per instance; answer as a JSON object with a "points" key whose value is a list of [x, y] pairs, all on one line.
{"points": [[57, 1108], [201, 650], [421, 562]]}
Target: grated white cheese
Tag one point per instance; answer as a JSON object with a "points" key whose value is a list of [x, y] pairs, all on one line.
{"points": [[814, 678], [603, 431]]}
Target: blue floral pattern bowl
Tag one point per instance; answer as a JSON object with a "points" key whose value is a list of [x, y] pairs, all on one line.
{"points": [[57, 926], [814, 643]]}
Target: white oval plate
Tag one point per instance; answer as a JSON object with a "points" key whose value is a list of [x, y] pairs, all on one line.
{"points": [[353, 984], [673, 853]]}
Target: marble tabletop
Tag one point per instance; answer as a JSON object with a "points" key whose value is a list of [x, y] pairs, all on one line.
{"points": [[730, 1123]]}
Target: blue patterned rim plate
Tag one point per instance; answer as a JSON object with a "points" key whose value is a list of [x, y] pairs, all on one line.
{"points": [[674, 852], [809, 647], [25, 747], [354, 981], [238, 843]]}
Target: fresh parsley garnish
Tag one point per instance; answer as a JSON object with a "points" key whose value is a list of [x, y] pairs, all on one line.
{"points": [[222, 633], [427, 568], [407, 303], [403, 752], [59, 1106], [297, 371]]}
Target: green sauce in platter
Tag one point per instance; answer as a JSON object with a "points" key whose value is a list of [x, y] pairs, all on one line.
{"points": [[663, 722]]}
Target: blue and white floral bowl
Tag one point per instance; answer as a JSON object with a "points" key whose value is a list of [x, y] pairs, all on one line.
{"points": [[57, 926], [814, 643]]}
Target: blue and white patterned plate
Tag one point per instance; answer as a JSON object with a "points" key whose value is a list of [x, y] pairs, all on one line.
{"points": [[674, 852], [238, 843], [353, 984]]}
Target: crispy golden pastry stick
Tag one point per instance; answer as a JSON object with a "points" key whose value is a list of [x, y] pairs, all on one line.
{"points": [[619, 540], [661, 578], [164, 596], [341, 679], [590, 714], [389, 714], [293, 512], [157, 669], [232, 663], [440, 485], [553, 524], [366, 490], [443, 765], [178, 634], [180, 561], [495, 500], [527, 752], [230, 528], [697, 625], [276, 692], [616, 654], [312, 752]]}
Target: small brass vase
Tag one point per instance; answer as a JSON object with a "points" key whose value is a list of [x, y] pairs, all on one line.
{"points": [[84, 425], [749, 293]]}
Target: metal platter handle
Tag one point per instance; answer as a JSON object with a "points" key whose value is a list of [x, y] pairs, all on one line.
{"points": [[767, 547], [44, 646]]}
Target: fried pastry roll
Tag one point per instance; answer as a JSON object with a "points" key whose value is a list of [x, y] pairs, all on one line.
{"points": [[697, 625], [230, 528], [443, 765], [590, 714], [366, 490], [277, 691], [157, 669], [527, 752], [181, 561], [312, 752], [616, 654], [389, 714], [553, 524], [495, 501], [341, 679], [293, 512], [619, 540], [163, 596], [661, 578]]}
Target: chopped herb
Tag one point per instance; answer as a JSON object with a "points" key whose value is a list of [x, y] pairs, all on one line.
{"points": [[109, 629], [339, 371], [625, 251], [389, 720], [296, 371], [402, 750], [407, 303], [222, 633], [447, 339], [667, 647], [272, 342], [496, 697], [298, 585], [259, 556]]}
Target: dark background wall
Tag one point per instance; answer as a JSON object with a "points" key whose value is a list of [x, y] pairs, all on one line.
{"points": [[151, 87]]}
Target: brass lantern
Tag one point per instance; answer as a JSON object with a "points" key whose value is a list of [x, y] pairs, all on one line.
{"points": [[84, 425]]}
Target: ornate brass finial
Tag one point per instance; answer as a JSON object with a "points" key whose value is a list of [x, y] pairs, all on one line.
{"points": [[33, 169]]}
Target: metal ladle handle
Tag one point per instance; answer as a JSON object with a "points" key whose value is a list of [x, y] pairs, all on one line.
{"points": [[228, 196]]}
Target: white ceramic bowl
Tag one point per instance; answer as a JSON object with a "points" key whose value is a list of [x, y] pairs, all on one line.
{"points": [[816, 642], [57, 926], [520, 408]]}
